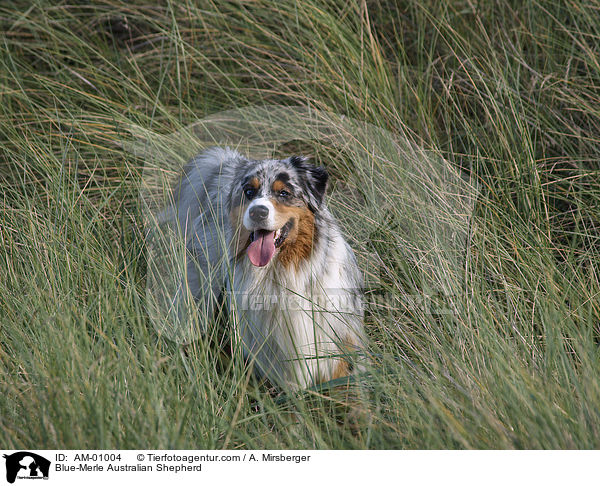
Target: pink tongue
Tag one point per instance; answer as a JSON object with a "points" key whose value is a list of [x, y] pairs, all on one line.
{"points": [[262, 248]]}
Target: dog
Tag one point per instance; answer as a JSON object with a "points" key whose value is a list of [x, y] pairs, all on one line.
{"points": [[260, 231]]}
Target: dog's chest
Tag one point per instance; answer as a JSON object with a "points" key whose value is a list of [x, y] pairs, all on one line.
{"points": [[284, 321]]}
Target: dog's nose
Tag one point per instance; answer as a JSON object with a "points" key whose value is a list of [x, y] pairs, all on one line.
{"points": [[258, 213]]}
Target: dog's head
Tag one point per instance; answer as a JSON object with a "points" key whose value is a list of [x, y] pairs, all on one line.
{"points": [[273, 206]]}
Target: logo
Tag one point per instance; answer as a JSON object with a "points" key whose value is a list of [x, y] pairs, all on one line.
{"points": [[26, 465]]}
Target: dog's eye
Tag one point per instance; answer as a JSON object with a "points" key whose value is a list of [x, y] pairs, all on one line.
{"points": [[284, 194], [250, 192]]}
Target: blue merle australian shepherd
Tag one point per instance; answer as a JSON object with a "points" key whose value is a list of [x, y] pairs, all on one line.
{"points": [[260, 230]]}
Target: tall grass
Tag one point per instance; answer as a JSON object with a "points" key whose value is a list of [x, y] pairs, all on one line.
{"points": [[507, 92]]}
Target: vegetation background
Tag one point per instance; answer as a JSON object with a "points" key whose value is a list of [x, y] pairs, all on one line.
{"points": [[508, 92]]}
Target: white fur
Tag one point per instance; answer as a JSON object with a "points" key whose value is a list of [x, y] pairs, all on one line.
{"points": [[308, 314]]}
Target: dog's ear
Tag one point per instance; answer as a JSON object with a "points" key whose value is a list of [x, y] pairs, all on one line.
{"points": [[314, 179]]}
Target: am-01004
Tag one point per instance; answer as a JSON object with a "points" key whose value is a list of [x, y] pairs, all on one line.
{"points": [[97, 457]]}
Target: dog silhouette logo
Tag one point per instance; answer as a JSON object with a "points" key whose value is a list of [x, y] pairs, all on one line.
{"points": [[26, 464]]}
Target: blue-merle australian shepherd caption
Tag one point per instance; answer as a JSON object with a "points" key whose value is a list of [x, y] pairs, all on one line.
{"points": [[260, 231]]}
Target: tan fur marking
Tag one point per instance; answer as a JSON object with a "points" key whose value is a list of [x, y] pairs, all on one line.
{"points": [[254, 183], [342, 368], [299, 243], [279, 186]]}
